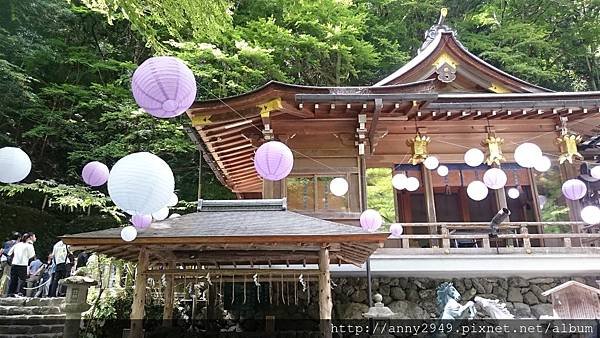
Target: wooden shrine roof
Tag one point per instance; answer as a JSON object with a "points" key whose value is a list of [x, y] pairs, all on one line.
{"points": [[569, 284], [443, 85], [223, 232]]}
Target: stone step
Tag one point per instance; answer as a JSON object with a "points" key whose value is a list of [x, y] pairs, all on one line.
{"points": [[53, 319], [31, 329], [29, 310], [56, 301], [39, 335]]}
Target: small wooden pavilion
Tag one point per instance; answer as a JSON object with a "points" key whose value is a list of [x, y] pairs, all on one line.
{"points": [[574, 300], [226, 238]]}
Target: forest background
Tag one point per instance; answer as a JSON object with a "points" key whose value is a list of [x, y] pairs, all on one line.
{"points": [[65, 69]]}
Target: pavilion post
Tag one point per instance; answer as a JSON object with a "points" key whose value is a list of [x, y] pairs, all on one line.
{"points": [[139, 296], [169, 298], [325, 301], [429, 201], [569, 171]]}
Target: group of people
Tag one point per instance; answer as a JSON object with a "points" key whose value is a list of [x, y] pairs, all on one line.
{"points": [[22, 273]]}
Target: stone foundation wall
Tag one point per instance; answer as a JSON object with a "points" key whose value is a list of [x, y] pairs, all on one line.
{"points": [[415, 298]]}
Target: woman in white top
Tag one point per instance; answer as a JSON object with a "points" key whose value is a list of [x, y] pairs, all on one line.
{"points": [[21, 253]]}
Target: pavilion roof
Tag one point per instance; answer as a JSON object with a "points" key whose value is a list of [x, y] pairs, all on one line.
{"points": [[222, 232]]}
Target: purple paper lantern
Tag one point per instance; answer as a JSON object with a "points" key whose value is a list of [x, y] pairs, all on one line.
{"points": [[370, 220], [95, 173], [141, 222], [396, 230], [273, 161], [164, 86], [574, 189]]}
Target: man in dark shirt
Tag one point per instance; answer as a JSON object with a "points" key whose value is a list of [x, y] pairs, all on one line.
{"points": [[4, 266], [82, 260]]}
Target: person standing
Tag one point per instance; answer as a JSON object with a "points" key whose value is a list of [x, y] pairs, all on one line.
{"points": [[36, 268], [22, 252], [60, 253], [4, 264]]}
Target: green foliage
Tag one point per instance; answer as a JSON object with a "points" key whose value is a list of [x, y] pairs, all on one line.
{"points": [[380, 193]]}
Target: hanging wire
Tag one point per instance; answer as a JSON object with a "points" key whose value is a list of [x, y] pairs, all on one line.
{"points": [[244, 289], [233, 288]]}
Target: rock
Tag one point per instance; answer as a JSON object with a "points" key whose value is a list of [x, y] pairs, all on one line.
{"points": [[418, 284], [351, 310], [521, 310], [408, 310], [537, 291], [359, 296], [503, 283], [469, 294], [489, 287], [545, 287], [348, 289], [531, 299], [397, 293], [518, 281], [394, 282], [458, 283], [384, 280], [412, 295], [499, 292], [427, 294], [541, 310], [478, 286], [384, 290], [514, 295], [403, 283], [541, 280], [387, 299], [468, 283]]}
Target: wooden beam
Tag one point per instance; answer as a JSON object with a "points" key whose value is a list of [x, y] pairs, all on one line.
{"points": [[325, 301], [139, 296], [375, 121], [169, 298]]}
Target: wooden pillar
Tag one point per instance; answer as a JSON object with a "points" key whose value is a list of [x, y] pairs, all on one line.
{"points": [[267, 189], [169, 298], [139, 296], [429, 201], [569, 171], [325, 302]]}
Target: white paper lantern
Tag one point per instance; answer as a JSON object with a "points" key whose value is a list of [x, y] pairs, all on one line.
{"points": [[15, 165], [128, 233], [399, 181], [141, 183], [396, 230], [595, 172], [513, 193], [161, 214], [431, 162], [412, 184], [474, 157], [494, 178], [527, 155], [542, 201], [574, 189], [442, 170], [338, 186], [173, 200], [477, 190], [174, 216], [591, 214], [543, 164]]}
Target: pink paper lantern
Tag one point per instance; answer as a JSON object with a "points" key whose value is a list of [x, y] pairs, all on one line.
{"points": [[574, 189], [396, 230], [370, 220], [494, 178], [95, 173], [273, 161], [141, 222], [164, 86]]}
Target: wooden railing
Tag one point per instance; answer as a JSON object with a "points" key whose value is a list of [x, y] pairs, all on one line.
{"points": [[515, 235]]}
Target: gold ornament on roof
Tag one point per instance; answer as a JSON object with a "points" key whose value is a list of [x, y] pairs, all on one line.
{"points": [[493, 145], [418, 145], [568, 147]]}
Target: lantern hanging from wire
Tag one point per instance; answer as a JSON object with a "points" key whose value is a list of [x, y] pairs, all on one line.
{"points": [[431, 162], [338, 186], [412, 184], [574, 189], [95, 173], [15, 165], [371, 220], [543, 164], [513, 193], [396, 230], [595, 171], [418, 146], [128, 233], [442, 170], [141, 222], [474, 157], [273, 160], [590, 214], [164, 86], [527, 154], [399, 181], [494, 178], [493, 145], [477, 191]]}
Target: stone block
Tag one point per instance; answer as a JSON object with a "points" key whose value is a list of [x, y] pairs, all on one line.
{"points": [[428, 294], [530, 298], [514, 295], [397, 293], [469, 294], [351, 310], [403, 283], [545, 287], [384, 290], [522, 310], [518, 281], [541, 280], [408, 310], [412, 295], [541, 310], [468, 283], [387, 299], [394, 282], [537, 291], [359, 296], [478, 285]]}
